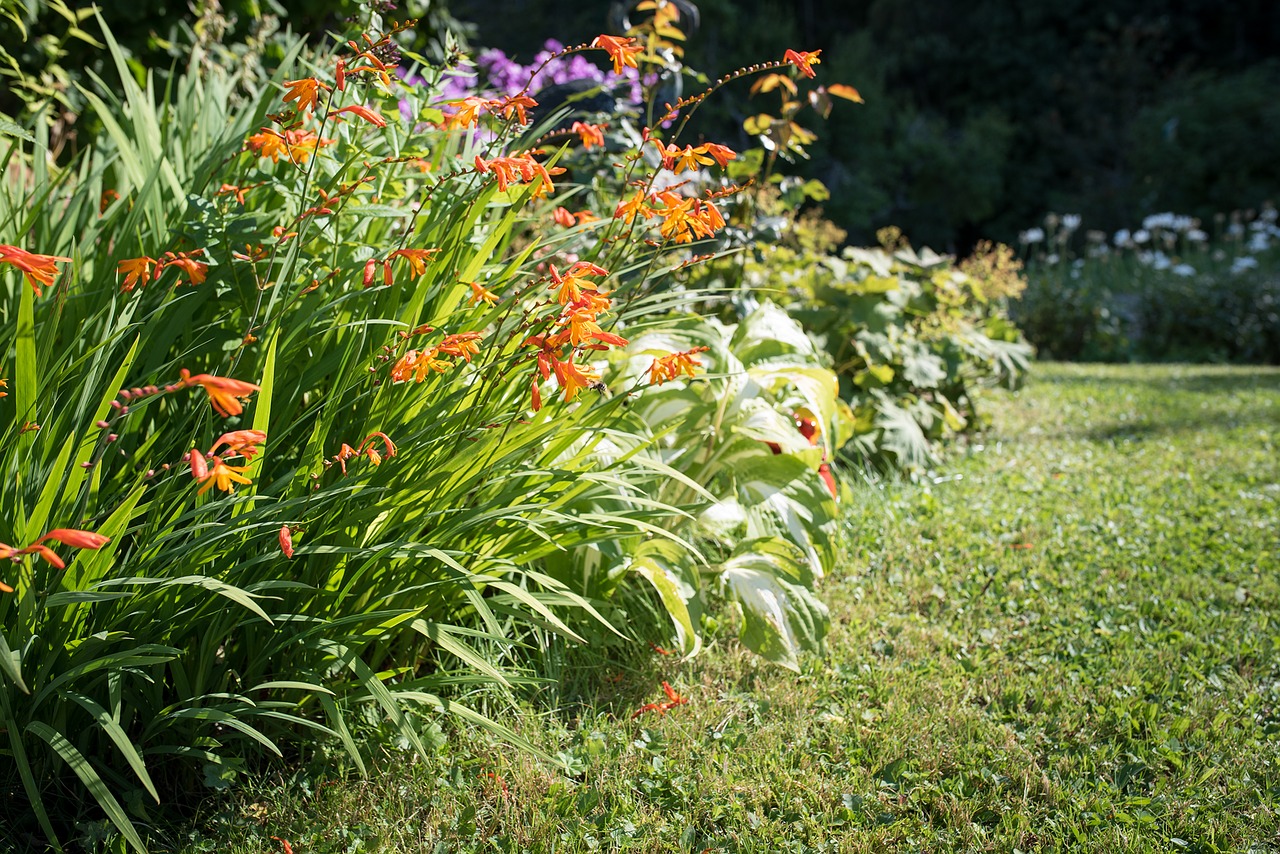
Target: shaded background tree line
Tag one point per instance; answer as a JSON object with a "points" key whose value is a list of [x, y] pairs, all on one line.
{"points": [[979, 118]]}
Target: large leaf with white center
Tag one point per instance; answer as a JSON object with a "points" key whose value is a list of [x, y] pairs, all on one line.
{"points": [[781, 616]]}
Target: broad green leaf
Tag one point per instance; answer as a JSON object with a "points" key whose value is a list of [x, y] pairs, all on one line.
{"points": [[674, 576], [780, 616]]}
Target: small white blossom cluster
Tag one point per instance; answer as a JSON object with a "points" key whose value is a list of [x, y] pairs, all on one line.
{"points": [[1160, 240]]}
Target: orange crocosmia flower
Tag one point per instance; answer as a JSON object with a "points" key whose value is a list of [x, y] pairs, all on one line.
{"points": [[367, 448], [199, 466], [417, 258], [417, 365], [622, 51], [38, 269], [223, 476], [461, 344], [669, 152], [562, 217], [573, 378], [286, 541], [479, 294], [239, 442], [224, 392], [519, 168], [581, 322], [305, 91], [722, 154], [295, 145], [363, 112], [628, 210], [673, 700], [466, 112], [671, 366], [591, 135], [535, 395], [4, 384], [137, 271], [514, 104], [196, 271], [233, 190], [568, 287], [76, 538], [691, 158], [585, 216], [803, 60]]}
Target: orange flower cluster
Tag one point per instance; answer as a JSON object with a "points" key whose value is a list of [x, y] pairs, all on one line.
{"points": [[563, 216], [683, 219], [671, 366], [581, 303], [67, 536], [623, 51], [367, 448], [139, 270], [306, 92], [296, 146], [211, 469], [466, 111], [417, 259], [38, 269], [691, 157], [419, 364], [673, 700], [518, 168], [592, 135]]}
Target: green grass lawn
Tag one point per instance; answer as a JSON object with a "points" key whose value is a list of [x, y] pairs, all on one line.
{"points": [[1069, 639]]}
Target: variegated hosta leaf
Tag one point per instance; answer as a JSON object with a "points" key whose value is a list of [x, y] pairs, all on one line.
{"points": [[759, 421], [769, 332], [781, 616], [786, 499], [672, 572], [817, 387]]}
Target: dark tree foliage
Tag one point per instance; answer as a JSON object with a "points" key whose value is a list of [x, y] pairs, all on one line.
{"points": [[982, 116]]}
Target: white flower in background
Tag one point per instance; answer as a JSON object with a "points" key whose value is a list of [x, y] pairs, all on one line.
{"points": [[1032, 235], [1236, 229], [1052, 259], [1244, 262], [1258, 242], [1071, 221], [1184, 270], [1141, 236], [1268, 214], [1160, 261], [1160, 220], [1123, 238], [1195, 235]]}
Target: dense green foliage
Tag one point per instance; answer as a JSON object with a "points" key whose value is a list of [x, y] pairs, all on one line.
{"points": [[450, 424], [1165, 292], [1068, 643], [911, 335]]}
